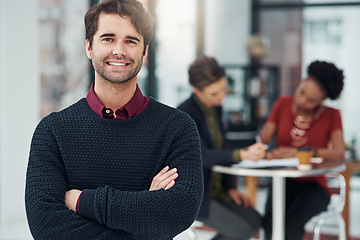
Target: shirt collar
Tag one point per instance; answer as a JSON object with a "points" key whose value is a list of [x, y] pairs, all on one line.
{"points": [[136, 104], [206, 110]]}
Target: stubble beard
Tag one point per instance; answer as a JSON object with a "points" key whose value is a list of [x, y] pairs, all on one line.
{"points": [[117, 78]]}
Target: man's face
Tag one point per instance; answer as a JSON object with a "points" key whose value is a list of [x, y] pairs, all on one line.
{"points": [[117, 49]]}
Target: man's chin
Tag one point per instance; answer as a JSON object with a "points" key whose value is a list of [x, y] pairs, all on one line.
{"points": [[117, 81]]}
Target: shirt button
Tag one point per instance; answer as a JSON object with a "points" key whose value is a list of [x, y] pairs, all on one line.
{"points": [[107, 111]]}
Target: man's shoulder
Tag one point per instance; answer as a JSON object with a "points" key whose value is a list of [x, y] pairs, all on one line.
{"points": [[165, 108], [65, 113], [74, 107], [174, 115]]}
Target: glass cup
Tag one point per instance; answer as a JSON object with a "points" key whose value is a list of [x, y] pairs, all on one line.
{"points": [[304, 154]]}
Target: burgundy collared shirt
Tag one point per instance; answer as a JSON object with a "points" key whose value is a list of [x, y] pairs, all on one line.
{"points": [[135, 106]]}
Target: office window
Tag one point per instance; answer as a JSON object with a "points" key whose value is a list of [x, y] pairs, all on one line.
{"points": [[63, 63], [327, 32], [331, 34], [175, 48]]}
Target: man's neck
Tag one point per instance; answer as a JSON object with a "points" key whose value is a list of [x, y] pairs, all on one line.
{"points": [[113, 95]]}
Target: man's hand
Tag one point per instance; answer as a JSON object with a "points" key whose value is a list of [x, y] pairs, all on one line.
{"points": [[164, 179], [71, 198], [240, 198]]}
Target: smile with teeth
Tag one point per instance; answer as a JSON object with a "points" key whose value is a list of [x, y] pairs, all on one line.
{"points": [[117, 64]]}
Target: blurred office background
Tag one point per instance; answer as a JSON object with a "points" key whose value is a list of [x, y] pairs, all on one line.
{"points": [[265, 45]]}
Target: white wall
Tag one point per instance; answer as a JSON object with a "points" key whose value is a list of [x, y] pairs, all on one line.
{"points": [[344, 55], [227, 28], [19, 102], [175, 51]]}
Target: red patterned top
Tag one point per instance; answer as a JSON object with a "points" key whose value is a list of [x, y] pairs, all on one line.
{"points": [[316, 136]]}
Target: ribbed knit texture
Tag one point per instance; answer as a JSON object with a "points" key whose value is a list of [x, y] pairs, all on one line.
{"points": [[114, 161]]}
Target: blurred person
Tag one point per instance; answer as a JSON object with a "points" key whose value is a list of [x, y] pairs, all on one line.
{"points": [[299, 121], [103, 168], [224, 208]]}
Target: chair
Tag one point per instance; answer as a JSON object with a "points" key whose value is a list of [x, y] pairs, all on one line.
{"points": [[239, 136], [338, 186], [189, 234]]}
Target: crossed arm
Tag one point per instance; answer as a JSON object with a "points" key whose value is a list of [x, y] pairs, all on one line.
{"points": [[164, 179], [116, 213]]}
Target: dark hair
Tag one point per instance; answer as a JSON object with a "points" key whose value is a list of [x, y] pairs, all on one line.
{"points": [[204, 71], [141, 19], [330, 78]]}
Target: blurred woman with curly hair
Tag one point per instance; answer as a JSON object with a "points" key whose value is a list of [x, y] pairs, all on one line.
{"points": [[299, 121]]}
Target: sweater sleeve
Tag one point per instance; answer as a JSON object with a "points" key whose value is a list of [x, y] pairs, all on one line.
{"points": [[159, 214], [46, 185]]}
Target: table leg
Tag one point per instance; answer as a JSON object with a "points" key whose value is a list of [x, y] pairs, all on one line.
{"points": [[252, 188], [278, 207], [345, 212]]}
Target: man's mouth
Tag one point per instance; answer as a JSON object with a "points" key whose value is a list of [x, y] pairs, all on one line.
{"points": [[117, 64]]}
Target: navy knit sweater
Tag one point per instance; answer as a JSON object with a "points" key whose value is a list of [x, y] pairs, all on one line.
{"points": [[113, 162]]}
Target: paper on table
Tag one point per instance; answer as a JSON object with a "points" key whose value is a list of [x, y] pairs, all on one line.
{"points": [[263, 163]]}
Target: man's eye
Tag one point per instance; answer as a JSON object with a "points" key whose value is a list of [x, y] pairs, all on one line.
{"points": [[131, 42], [108, 40]]}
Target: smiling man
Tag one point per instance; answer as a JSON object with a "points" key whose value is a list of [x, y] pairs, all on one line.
{"points": [[103, 168]]}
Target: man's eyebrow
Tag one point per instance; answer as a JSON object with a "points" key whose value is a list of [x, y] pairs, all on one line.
{"points": [[133, 38], [113, 35], [107, 35]]}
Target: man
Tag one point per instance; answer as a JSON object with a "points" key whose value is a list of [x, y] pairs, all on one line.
{"points": [[105, 167]]}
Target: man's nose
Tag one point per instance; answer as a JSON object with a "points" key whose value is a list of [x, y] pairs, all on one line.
{"points": [[119, 50]]}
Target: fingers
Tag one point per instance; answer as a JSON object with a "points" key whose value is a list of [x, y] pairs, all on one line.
{"points": [[240, 199], [237, 201], [236, 196], [172, 183], [71, 198], [258, 146], [253, 155], [247, 203], [168, 182], [164, 179], [256, 151]]}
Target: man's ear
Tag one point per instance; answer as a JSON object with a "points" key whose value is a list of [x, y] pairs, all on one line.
{"points": [[88, 48], [146, 50]]}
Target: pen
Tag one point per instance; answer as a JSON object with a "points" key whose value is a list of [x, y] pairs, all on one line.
{"points": [[258, 140]]}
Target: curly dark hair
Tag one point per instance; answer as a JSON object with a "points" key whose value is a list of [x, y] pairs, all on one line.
{"points": [[330, 78], [204, 71], [141, 19]]}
